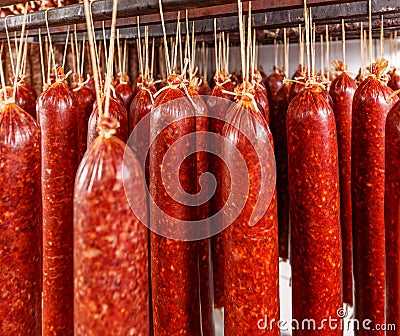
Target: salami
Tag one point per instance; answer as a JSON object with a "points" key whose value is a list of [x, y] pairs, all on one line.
{"points": [[176, 309], [273, 83], [140, 107], [250, 245], [90, 84], [83, 99], [342, 91], [202, 166], [394, 82], [278, 130], [117, 111], [58, 122], [110, 244], [392, 202], [367, 182], [20, 223], [124, 90], [26, 97], [216, 125], [135, 86], [314, 210], [260, 95]]}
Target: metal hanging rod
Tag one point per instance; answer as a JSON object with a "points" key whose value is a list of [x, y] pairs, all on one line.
{"points": [[102, 10], [329, 14]]}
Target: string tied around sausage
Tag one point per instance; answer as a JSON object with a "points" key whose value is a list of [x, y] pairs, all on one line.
{"points": [[245, 93], [308, 83], [379, 70], [175, 82], [80, 84], [144, 87], [107, 127]]}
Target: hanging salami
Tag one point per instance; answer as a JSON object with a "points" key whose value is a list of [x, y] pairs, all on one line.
{"points": [[278, 130], [250, 244], [219, 108], [58, 122], [26, 97], [394, 82], [273, 83], [202, 166], [314, 210], [367, 182], [260, 95], [124, 90], [117, 111], [342, 91], [20, 223], [110, 247], [84, 99], [392, 223], [176, 309]]}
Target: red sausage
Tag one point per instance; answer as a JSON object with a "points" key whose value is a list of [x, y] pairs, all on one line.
{"points": [[367, 182], [202, 166], [26, 98], [140, 107], [124, 90], [20, 223], [174, 263], [392, 220], [215, 126], [273, 83], [394, 82], [110, 243], [58, 122], [251, 271], [316, 244], [260, 96], [84, 99], [342, 91], [278, 130], [117, 111]]}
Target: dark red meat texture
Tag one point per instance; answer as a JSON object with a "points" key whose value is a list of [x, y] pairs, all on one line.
{"points": [[125, 91], [219, 108], [394, 82], [316, 244], [110, 245], [203, 212], [342, 91], [83, 99], [24, 98], [117, 111], [367, 182], [250, 251], [91, 85], [273, 83], [176, 308], [278, 130], [20, 223], [59, 123], [140, 107], [392, 223]]}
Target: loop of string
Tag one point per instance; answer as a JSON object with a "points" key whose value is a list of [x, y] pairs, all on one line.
{"points": [[244, 93], [224, 82], [80, 84]]}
